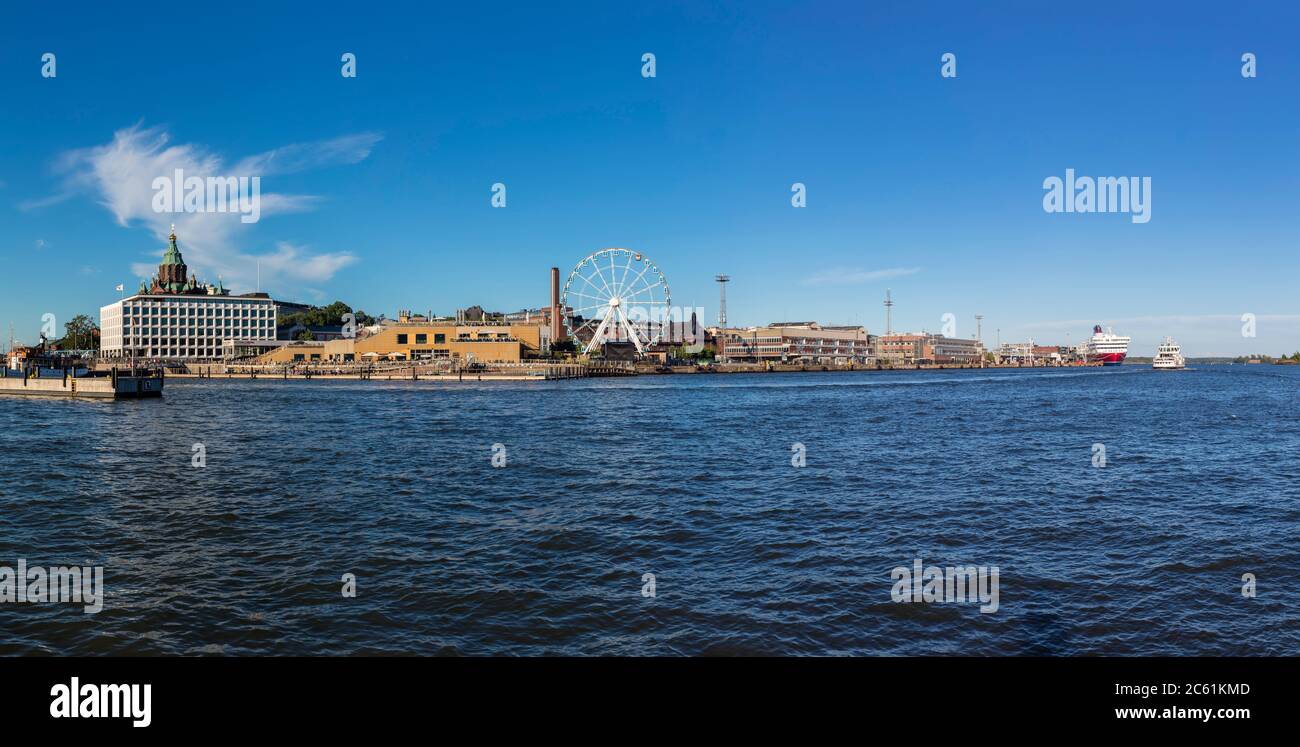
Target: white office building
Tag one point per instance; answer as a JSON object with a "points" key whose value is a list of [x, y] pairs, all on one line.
{"points": [[176, 317], [149, 326]]}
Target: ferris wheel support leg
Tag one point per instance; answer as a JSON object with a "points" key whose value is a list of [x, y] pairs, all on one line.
{"points": [[627, 327], [598, 337]]}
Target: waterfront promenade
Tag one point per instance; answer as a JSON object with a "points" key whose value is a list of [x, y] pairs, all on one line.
{"points": [[532, 371], [418, 371]]}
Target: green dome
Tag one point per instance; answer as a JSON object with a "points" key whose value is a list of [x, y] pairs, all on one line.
{"points": [[172, 255]]}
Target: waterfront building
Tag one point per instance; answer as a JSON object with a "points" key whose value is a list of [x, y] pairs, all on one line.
{"points": [[1016, 352], [488, 340], [495, 342], [795, 342], [941, 349], [1034, 354], [901, 349], [1054, 353], [176, 317], [912, 348]]}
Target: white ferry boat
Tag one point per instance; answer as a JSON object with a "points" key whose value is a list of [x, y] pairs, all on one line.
{"points": [[1169, 356]]}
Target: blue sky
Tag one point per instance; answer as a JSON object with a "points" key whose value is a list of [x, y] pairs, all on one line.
{"points": [[377, 188]]}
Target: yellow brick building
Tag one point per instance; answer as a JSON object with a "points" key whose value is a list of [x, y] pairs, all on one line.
{"points": [[486, 342]]}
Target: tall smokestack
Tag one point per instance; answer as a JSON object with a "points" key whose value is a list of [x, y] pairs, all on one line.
{"points": [[557, 325]]}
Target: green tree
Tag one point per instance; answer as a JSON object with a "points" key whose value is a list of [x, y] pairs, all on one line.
{"points": [[325, 316], [80, 334]]}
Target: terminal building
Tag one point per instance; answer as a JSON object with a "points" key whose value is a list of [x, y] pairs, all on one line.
{"points": [[175, 317], [912, 348], [794, 342]]}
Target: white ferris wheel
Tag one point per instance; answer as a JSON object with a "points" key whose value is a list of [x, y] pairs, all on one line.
{"points": [[615, 295]]}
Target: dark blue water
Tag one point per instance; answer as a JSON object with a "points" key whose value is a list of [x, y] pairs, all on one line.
{"points": [[685, 477]]}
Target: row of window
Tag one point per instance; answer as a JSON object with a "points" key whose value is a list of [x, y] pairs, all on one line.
{"points": [[439, 338], [422, 339], [204, 340], [191, 329], [245, 311], [174, 352]]}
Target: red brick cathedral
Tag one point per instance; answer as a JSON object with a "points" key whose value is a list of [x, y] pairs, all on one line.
{"points": [[173, 276]]}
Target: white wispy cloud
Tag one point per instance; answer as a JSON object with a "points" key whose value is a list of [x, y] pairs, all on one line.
{"points": [[36, 203], [1199, 334], [120, 175], [348, 149], [1148, 321], [298, 263], [854, 276]]}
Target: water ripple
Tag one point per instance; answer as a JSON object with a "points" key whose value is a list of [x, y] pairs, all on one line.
{"points": [[688, 478]]}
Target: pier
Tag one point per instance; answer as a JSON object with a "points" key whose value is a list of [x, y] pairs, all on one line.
{"points": [[407, 371], [111, 384], [444, 371]]}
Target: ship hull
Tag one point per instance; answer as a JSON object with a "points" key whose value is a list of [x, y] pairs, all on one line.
{"points": [[1110, 359]]}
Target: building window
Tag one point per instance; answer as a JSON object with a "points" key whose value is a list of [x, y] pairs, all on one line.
{"points": [[401, 339], [421, 338], [439, 339]]}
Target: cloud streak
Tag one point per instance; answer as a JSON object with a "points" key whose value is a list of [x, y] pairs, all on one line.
{"points": [[120, 174], [856, 276], [1146, 321]]}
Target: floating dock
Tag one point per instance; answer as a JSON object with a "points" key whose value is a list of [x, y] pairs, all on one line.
{"points": [[111, 384]]}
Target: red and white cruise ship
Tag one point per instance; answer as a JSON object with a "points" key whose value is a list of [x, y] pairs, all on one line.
{"points": [[1107, 347]]}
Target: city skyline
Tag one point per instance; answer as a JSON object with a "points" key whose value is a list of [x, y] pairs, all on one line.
{"points": [[376, 190]]}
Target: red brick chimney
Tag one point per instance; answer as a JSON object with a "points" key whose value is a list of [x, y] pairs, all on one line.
{"points": [[557, 323]]}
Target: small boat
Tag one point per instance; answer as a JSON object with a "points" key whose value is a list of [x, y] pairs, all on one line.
{"points": [[1169, 356]]}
